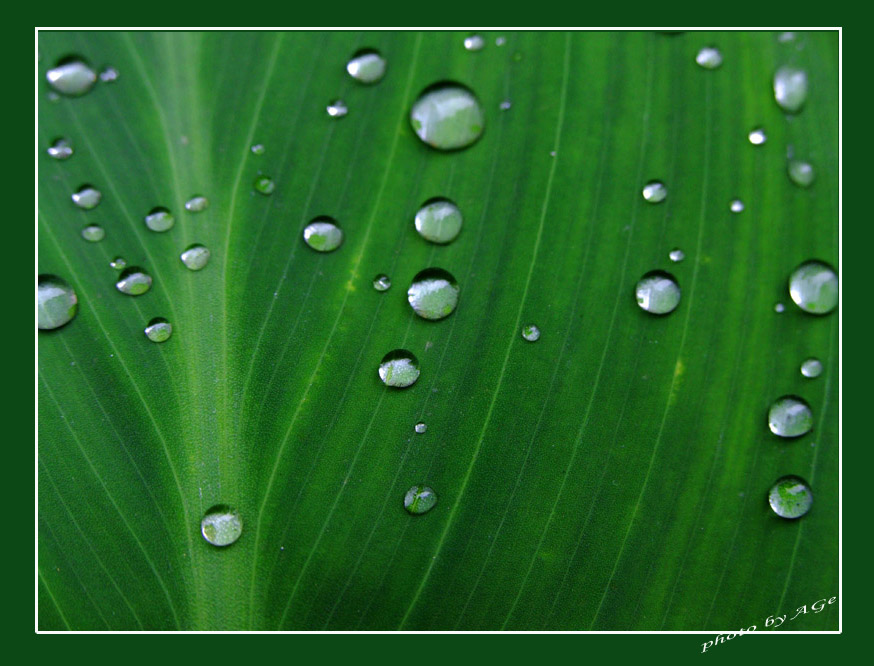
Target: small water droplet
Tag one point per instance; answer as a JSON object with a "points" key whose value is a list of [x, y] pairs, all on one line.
{"points": [[790, 88], [709, 57], [399, 368], [531, 333], [323, 234], [658, 292], [56, 302], [158, 330], [814, 287], [382, 282], [447, 116], [420, 427], [779, 307], [159, 219], [109, 74], [439, 220], [134, 281], [93, 233], [474, 43], [71, 76], [118, 263], [811, 368], [258, 149], [433, 293], [87, 197], [505, 105], [419, 499], [790, 497], [366, 66], [61, 149], [655, 191], [195, 257], [737, 206], [197, 204], [784, 37], [500, 41], [337, 108], [264, 185], [801, 173], [676, 255], [757, 136], [221, 525], [790, 416]]}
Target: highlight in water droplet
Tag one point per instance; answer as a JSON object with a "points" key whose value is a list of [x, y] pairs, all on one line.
{"points": [[709, 57], [736, 206], [61, 149], [196, 204], [433, 294], [420, 499], [323, 234], [159, 219], [757, 136], [337, 108], [264, 185], [813, 287], [382, 282], [93, 233], [134, 281], [366, 66], [158, 330], [71, 76], [657, 292], [811, 368], [790, 497], [531, 333], [790, 416], [221, 525], [655, 191], [447, 116], [87, 197], [439, 221], [56, 302], [399, 368], [195, 257]]}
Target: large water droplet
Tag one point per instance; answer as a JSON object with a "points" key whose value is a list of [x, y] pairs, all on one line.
{"points": [[790, 497], [264, 185], [118, 263], [676, 255], [433, 293], [447, 116], [439, 220], [221, 525], [61, 149], [366, 66], [814, 287], [658, 292], [159, 219], [197, 204], [790, 88], [382, 282], [399, 368], [86, 197], [56, 302], [134, 281], [709, 57], [337, 108], [419, 499], [757, 136], [531, 333], [323, 234], [474, 43], [71, 76], [420, 427], [811, 368], [655, 191], [736, 206], [158, 330], [801, 173], [93, 233], [790, 416], [195, 257]]}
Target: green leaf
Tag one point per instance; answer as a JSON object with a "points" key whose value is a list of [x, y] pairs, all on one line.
{"points": [[611, 475]]}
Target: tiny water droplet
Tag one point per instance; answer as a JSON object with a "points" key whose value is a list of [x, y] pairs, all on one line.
{"points": [[811, 368], [93, 233], [382, 282], [676, 255], [419, 499], [439, 220], [433, 293], [737, 206], [814, 287], [757, 136], [531, 333], [779, 307], [323, 234], [500, 41], [56, 302], [221, 525], [399, 368], [366, 66], [118, 263], [197, 204], [447, 116], [790, 416], [709, 57], [159, 219], [87, 197], [655, 191], [109, 74], [420, 427], [505, 105], [790, 88], [71, 76], [264, 185], [337, 109], [784, 37], [790, 497], [158, 330], [195, 257], [801, 173], [474, 43], [61, 149], [258, 149], [658, 292], [134, 281]]}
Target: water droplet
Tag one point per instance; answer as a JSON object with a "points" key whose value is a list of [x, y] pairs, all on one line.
{"points": [[439, 220], [420, 499], [61, 149], [801, 173], [811, 368], [197, 204], [814, 287], [790, 497], [655, 191], [676, 255], [258, 149], [790, 88], [195, 257], [399, 368], [474, 43], [420, 427], [337, 108], [784, 37], [779, 307], [159, 219], [531, 333], [87, 197], [366, 66], [118, 263], [134, 281], [658, 292], [109, 74], [382, 282], [56, 302], [323, 234], [447, 116], [500, 41], [505, 105], [264, 185], [221, 525], [71, 76], [757, 136], [93, 233], [790, 416], [158, 330], [433, 293], [709, 57], [737, 206]]}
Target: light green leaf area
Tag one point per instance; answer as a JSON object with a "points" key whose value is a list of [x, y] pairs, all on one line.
{"points": [[612, 476]]}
